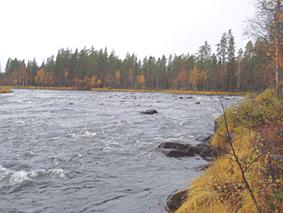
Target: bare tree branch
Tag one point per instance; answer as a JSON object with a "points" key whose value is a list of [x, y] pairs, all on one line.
{"points": [[248, 187]]}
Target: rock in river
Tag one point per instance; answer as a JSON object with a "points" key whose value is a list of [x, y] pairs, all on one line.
{"points": [[172, 145], [207, 151], [177, 150], [216, 125], [171, 149], [175, 200], [206, 139], [149, 112]]}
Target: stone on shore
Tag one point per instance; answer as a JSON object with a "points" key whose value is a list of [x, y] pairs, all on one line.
{"points": [[175, 200], [207, 151]]}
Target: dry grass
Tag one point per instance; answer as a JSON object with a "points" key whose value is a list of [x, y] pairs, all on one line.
{"points": [[189, 92], [5, 90], [45, 88], [256, 125]]}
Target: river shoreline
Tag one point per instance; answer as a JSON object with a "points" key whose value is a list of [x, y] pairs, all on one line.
{"points": [[176, 199], [170, 91]]}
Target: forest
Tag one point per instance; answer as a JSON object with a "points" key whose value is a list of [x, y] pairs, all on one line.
{"points": [[248, 69]]}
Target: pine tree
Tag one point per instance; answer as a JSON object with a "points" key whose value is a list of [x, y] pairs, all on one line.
{"points": [[231, 77]]}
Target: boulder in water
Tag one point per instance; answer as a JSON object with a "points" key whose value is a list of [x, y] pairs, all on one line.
{"points": [[207, 151], [173, 145], [197, 102], [149, 112], [206, 139], [205, 167], [175, 200], [216, 125], [177, 150]]}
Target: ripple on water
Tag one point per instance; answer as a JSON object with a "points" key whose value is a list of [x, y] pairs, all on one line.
{"points": [[84, 134]]}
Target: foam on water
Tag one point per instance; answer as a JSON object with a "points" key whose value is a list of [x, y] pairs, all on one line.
{"points": [[20, 177], [4, 172], [57, 173], [14, 177], [85, 134], [36, 173]]}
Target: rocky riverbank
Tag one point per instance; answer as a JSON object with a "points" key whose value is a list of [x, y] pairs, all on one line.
{"points": [[172, 149]]}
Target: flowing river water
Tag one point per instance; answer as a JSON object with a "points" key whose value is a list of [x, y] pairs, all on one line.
{"points": [[80, 151]]}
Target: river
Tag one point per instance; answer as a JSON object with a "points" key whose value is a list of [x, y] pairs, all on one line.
{"points": [[81, 151]]}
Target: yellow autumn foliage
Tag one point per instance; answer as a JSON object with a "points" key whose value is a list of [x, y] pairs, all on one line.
{"points": [[140, 80]]}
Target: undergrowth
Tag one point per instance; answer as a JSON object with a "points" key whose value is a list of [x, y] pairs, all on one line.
{"points": [[256, 127]]}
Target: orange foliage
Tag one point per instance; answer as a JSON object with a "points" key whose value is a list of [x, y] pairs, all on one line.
{"points": [[43, 78], [141, 80]]}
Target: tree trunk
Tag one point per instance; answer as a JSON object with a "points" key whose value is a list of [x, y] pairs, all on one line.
{"points": [[277, 49]]}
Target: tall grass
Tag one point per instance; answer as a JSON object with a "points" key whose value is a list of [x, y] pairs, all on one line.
{"points": [[256, 126]]}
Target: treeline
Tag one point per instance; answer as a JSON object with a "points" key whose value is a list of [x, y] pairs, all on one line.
{"points": [[226, 69]]}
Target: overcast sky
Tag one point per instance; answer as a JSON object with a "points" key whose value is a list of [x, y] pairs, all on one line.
{"points": [[38, 28]]}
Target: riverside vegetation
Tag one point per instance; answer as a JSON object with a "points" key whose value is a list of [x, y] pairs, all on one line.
{"points": [[256, 128], [5, 89]]}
